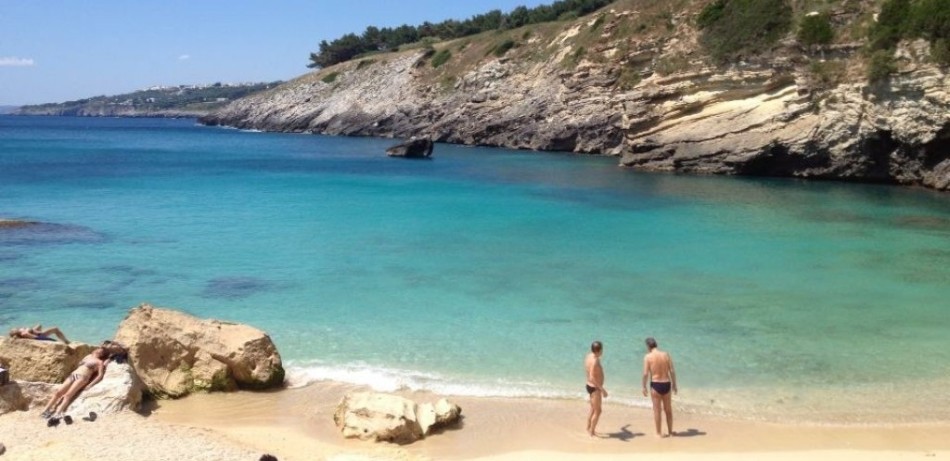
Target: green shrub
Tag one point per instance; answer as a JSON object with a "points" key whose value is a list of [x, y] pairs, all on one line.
{"points": [[441, 58], [503, 47], [711, 13], [940, 51], [733, 28], [816, 30], [828, 74], [904, 19], [365, 63], [330, 78], [880, 65], [568, 16]]}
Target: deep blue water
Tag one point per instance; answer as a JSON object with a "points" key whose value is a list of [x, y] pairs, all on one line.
{"points": [[486, 271]]}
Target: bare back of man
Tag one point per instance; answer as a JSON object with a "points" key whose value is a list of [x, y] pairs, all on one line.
{"points": [[658, 370], [595, 385]]}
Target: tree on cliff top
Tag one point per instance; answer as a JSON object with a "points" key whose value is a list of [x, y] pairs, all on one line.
{"points": [[375, 39]]}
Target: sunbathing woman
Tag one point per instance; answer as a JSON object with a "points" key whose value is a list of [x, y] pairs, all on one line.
{"points": [[90, 371], [38, 333]]}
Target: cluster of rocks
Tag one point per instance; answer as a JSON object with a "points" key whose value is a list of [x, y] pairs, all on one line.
{"points": [[172, 354]]}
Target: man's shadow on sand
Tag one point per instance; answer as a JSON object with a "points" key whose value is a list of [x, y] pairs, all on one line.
{"points": [[624, 434], [689, 433]]}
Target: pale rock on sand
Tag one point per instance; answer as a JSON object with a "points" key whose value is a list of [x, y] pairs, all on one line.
{"points": [[175, 354], [391, 418], [119, 390], [23, 395], [40, 361]]}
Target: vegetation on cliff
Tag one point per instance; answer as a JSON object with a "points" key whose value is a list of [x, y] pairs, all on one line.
{"points": [[183, 100], [374, 39]]}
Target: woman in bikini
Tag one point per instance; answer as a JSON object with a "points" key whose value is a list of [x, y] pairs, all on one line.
{"points": [[38, 333], [89, 372]]}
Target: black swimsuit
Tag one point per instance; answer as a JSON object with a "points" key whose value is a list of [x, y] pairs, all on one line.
{"points": [[661, 388], [591, 389]]}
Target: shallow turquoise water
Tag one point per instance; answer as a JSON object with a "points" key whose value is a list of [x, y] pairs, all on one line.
{"points": [[487, 271]]}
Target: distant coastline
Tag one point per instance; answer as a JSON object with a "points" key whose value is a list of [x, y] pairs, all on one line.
{"points": [[182, 101]]}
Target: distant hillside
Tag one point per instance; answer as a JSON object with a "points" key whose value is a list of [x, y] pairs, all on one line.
{"points": [[855, 90], [8, 109], [163, 101]]}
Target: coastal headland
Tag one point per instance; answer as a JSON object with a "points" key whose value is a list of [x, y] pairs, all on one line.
{"points": [[648, 83]]}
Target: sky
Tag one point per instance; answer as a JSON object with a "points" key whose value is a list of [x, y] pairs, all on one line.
{"points": [[55, 51]]}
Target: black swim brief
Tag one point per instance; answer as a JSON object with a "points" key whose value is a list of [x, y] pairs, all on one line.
{"points": [[591, 389], [661, 388]]}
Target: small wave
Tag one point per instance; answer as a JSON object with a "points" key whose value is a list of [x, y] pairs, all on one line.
{"points": [[384, 379]]}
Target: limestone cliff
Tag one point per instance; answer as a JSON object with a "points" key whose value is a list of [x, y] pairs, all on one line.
{"points": [[632, 83]]}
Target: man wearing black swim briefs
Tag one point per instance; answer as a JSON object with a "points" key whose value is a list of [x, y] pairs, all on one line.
{"points": [[658, 370], [595, 385]]}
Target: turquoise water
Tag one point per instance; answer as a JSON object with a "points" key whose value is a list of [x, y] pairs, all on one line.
{"points": [[487, 271]]}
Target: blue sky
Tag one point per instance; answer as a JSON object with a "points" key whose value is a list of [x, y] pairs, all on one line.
{"points": [[53, 51]]}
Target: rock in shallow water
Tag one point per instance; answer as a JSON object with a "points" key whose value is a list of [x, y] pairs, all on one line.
{"points": [[415, 148]]}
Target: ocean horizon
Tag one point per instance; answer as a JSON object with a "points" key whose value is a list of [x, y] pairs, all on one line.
{"points": [[487, 272]]}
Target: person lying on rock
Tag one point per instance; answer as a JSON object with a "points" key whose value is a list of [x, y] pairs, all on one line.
{"points": [[38, 333], [90, 371], [117, 352]]}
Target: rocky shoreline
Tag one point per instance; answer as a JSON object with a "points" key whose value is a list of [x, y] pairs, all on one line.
{"points": [[764, 117]]}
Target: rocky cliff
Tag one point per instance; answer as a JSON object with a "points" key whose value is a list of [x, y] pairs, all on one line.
{"points": [[634, 82]]}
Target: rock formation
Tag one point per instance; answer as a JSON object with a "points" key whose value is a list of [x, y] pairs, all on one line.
{"points": [[40, 361], [119, 390], [391, 418], [414, 148], [174, 353], [655, 101]]}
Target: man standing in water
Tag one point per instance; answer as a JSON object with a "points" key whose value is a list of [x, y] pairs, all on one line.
{"points": [[658, 369], [595, 385]]}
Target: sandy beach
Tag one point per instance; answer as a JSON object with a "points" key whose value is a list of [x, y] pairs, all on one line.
{"points": [[296, 424]]}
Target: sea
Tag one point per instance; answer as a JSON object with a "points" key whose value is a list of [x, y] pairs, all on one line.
{"points": [[487, 272]]}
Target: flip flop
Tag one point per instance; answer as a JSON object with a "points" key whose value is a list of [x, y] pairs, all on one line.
{"points": [[68, 419], [52, 422], [92, 417]]}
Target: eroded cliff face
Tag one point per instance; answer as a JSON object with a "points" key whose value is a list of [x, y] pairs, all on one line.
{"points": [[624, 98]]}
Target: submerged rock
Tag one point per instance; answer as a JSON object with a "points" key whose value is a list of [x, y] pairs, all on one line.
{"points": [[415, 148], [175, 354], [391, 418]]}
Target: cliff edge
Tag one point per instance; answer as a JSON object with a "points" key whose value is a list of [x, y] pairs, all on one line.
{"points": [[634, 81]]}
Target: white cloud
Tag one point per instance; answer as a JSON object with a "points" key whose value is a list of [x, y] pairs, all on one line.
{"points": [[13, 61], [184, 57]]}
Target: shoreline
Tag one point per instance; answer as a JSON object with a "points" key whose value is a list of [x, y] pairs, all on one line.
{"points": [[510, 428], [297, 424]]}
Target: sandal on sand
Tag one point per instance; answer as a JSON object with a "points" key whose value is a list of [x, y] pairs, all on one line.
{"points": [[52, 422], [92, 417], [68, 419]]}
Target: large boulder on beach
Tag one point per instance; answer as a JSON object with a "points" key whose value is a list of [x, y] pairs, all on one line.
{"points": [[175, 354], [40, 361], [391, 418], [414, 148]]}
